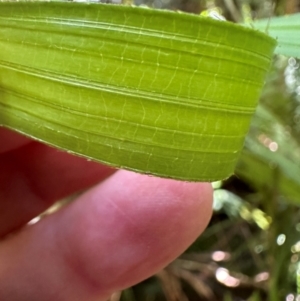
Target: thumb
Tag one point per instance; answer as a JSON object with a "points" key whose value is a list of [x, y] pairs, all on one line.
{"points": [[115, 235]]}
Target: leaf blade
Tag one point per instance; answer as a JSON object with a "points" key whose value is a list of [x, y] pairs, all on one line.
{"points": [[94, 82], [286, 29]]}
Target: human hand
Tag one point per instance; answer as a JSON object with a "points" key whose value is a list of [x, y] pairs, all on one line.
{"points": [[119, 232]]}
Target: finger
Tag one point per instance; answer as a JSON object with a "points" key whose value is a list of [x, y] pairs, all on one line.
{"points": [[115, 235], [32, 177], [10, 140]]}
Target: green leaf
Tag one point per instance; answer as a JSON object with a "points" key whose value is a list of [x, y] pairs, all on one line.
{"points": [[286, 30], [153, 91], [269, 161], [270, 156]]}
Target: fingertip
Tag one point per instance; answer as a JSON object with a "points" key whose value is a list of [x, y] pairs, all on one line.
{"points": [[115, 235], [134, 225]]}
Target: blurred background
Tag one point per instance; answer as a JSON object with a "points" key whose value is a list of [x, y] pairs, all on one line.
{"points": [[251, 249]]}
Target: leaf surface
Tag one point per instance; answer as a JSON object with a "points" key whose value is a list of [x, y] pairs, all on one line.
{"points": [[286, 30], [153, 91]]}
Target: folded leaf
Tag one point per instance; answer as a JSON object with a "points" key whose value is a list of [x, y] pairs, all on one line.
{"points": [[157, 92]]}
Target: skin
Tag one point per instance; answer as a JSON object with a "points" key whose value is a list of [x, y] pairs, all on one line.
{"points": [[123, 229]]}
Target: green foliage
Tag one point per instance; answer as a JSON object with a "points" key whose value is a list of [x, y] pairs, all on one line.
{"points": [[251, 248], [271, 149], [286, 30], [158, 92]]}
